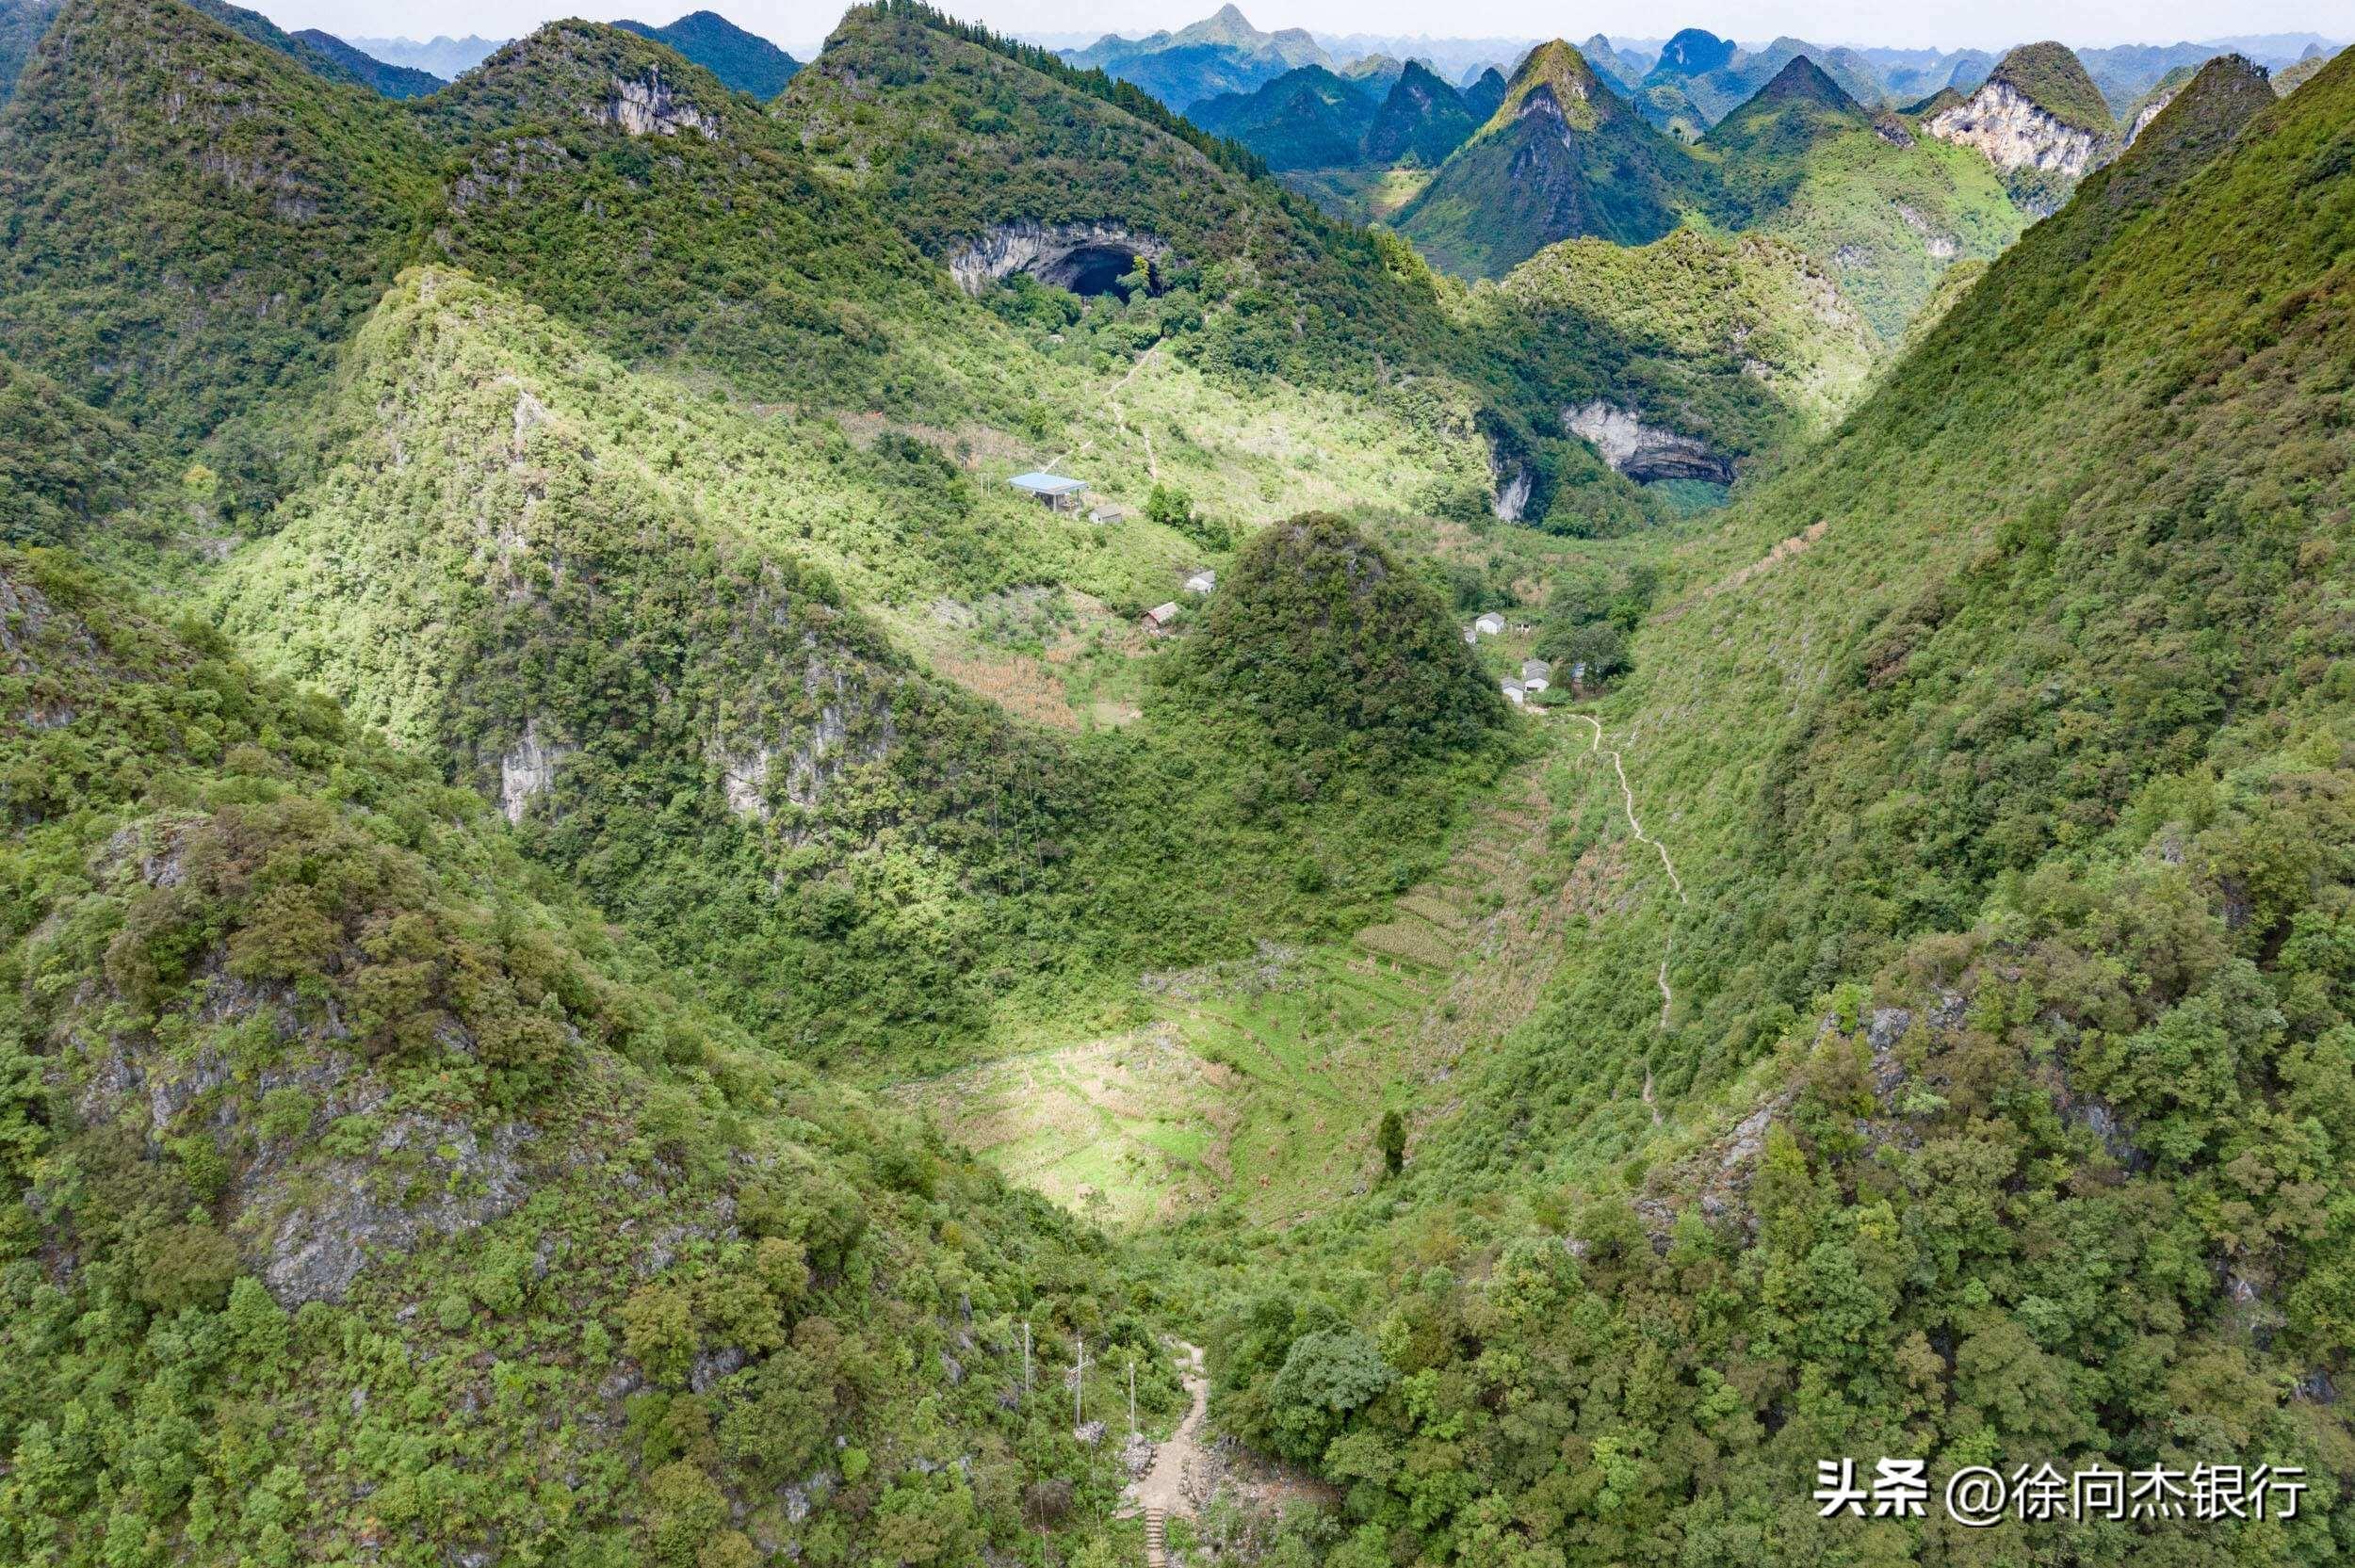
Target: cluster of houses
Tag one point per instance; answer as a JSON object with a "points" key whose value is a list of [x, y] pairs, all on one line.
{"points": [[1059, 492], [1536, 675], [1161, 617]]}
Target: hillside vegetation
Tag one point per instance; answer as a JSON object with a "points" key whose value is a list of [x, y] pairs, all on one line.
{"points": [[1962, 1078], [365, 1193]]}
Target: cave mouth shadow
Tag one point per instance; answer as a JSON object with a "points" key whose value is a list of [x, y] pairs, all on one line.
{"points": [[1089, 270]]}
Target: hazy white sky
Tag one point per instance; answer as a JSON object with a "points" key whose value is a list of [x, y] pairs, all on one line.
{"points": [[800, 24]]}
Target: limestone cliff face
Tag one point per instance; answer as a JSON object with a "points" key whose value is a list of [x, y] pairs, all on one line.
{"points": [[2016, 132], [1642, 451], [2153, 107], [1050, 251], [644, 107]]}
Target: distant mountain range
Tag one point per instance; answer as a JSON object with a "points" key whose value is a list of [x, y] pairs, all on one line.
{"points": [[446, 58], [1683, 83]]}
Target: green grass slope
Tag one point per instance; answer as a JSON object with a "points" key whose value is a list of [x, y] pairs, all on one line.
{"points": [[1962, 1075], [366, 1196], [1563, 158]]}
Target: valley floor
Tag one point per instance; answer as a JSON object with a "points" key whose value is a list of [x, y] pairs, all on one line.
{"points": [[1259, 1082]]}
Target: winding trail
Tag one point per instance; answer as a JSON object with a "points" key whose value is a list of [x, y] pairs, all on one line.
{"points": [[1161, 1490], [1627, 796], [1636, 825], [1120, 415]]}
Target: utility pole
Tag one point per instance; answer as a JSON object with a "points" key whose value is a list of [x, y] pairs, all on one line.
{"points": [[1026, 1359], [1132, 1398], [1079, 1383]]}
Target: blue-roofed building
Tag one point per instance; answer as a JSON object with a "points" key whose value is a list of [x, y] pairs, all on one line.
{"points": [[1052, 491]]}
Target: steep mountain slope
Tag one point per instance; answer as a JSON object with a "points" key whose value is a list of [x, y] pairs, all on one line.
{"points": [[2291, 77], [742, 60], [370, 1195], [64, 465], [193, 223], [1700, 77], [2144, 109], [1372, 73], [1486, 94], [1610, 65], [630, 192], [1562, 156], [610, 651], [1304, 118], [2126, 73], [1913, 75], [22, 22], [391, 81], [1757, 308], [1882, 211], [1422, 119], [2038, 117], [1958, 1069]]}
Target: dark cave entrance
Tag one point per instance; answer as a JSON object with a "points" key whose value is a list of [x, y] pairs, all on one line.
{"points": [[1094, 269]]}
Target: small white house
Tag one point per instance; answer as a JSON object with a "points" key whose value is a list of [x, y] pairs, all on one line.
{"points": [[1158, 620], [1107, 514], [1515, 692], [1491, 624], [1536, 675], [1202, 582], [1472, 638]]}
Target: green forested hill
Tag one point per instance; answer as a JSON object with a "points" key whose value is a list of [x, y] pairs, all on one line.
{"points": [[593, 704], [1963, 1076], [1304, 118], [366, 1194], [1422, 119], [64, 465], [192, 223], [1691, 302], [1883, 210], [1562, 156], [742, 60]]}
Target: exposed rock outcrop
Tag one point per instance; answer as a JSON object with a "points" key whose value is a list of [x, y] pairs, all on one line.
{"points": [[1511, 483], [1068, 255], [813, 762], [644, 107], [529, 770], [1645, 452], [317, 1246], [1942, 246], [2015, 132], [2152, 108]]}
